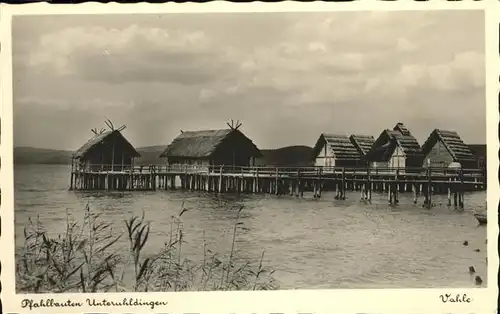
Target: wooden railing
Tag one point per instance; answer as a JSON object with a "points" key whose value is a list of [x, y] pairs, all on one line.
{"points": [[280, 170]]}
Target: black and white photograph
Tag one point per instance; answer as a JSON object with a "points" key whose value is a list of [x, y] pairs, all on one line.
{"points": [[249, 151]]}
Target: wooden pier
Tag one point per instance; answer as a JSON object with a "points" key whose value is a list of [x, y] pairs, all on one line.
{"points": [[295, 181]]}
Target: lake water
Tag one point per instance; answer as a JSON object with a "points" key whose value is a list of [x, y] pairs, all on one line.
{"points": [[310, 243]]}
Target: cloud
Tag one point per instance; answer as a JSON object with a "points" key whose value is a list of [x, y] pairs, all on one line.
{"points": [[314, 51], [126, 55], [278, 72], [464, 70]]}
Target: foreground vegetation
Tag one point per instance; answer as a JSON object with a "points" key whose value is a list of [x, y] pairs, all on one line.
{"points": [[87, 257]]}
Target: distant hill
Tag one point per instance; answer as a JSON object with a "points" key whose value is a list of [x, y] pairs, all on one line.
{"points": [[291, 155], [149, 154], [478, 149], [287, 156], [31, 155]]}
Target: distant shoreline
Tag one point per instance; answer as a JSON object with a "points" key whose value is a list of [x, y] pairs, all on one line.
{"points": [[299, 155]]}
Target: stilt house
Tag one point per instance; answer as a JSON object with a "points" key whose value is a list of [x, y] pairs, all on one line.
{"points": [[107, 150], [444, 147], [335, 150], [223, 147], [396, 149], [363, 143]]}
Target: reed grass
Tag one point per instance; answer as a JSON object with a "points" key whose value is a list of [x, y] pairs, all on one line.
{"points": [[88, 257]]}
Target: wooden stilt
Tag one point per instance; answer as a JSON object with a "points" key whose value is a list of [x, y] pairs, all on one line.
{"points": [[396, 187], [389, 194], [320, 182], [429, 186], [276, 182], [461, 174], [297, 188], [415, 194], [220, 179], [449, 192], [369, 184], [343, 184]]}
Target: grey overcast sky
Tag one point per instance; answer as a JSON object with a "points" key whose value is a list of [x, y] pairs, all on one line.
{"points": [[288, 77]]}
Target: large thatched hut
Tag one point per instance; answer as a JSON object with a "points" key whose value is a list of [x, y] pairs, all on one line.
{"points": [[335, 150], [444, 147], [107, 150], [228, 147], [396, 149]]}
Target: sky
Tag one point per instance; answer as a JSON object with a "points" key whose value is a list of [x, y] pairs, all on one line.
{"points": [[288, 77]]}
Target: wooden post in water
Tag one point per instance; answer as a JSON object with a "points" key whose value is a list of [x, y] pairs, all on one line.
{"points": [[302, 185], [342, 191], [449, 192], [337, 182], [415, 193], [315, 183], [396, 187], [389, 193], [276, 182], [257, 182], [461, 174], [297, 184], [154, 177], [220, 179], [368, 183], [242, 181], [455, 193], [320, 183], [254, 180], [429, 184]]}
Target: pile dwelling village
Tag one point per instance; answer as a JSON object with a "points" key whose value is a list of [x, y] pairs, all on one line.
{"points": [[225, 160]]}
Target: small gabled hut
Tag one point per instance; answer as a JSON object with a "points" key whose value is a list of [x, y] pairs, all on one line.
{"points": [[444, 147], [107, 150], [363, 143], [228, 147], [396, 149], [335, 150]]}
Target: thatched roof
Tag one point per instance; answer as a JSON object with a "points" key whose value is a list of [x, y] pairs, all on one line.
{"points": [[401, 137], [200, 144], [452, 142], [363, 143], [339, 145], [105, 138]]}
